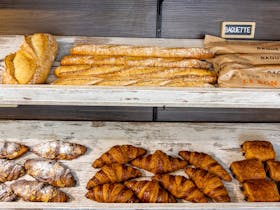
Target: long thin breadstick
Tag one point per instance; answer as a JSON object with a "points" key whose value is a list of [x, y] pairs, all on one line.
{"points": [[64, 71], [139, 72], [85, 80], [161, 73], [143, 51], [134, 61]]}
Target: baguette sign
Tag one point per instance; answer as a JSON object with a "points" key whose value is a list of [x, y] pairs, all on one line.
{"points": [[238, 30]]}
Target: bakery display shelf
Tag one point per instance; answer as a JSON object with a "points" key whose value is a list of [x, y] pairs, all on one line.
{"points": [[13, 95], [220, 140]]}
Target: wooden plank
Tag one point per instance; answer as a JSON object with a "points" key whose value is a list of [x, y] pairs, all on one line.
{"points": [[171, 114], [194, 19], [77, 113], [127, 18], [221, 140], [129, 96]]}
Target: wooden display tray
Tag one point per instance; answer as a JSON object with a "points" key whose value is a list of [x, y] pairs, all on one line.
{"points": [[221, 140], [13, 95]]}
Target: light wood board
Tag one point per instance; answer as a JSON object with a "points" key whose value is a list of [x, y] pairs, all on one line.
{"points": [[220, 140]]}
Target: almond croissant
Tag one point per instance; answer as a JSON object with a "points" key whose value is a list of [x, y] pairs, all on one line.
{"points": [[9, 170], [150, 192], [6, 194], [12, 150], [210, 184], [119, 154], [59, 150], [159, 162], [38, 191], [206, 162], [180, 187], [112, 193], [112, 174], [51, 172]]}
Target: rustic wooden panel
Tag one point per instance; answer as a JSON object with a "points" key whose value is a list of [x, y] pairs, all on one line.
{"points": [[218, 139], [217, 115], [193, 19], [128, 18], [77, 113]]}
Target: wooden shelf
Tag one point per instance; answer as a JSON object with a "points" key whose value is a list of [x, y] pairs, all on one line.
{"points": [[11, 95], [221, 140], [133, 96]]}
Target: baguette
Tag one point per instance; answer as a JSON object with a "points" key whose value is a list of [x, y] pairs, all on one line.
{"points": [[85, 80], [31, 64], [134, 61], [77, 70], [142, 51]]}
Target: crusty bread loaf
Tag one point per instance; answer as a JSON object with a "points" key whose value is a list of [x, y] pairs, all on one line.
{"points": [[31, 64], [134, 61], [141, 51]]}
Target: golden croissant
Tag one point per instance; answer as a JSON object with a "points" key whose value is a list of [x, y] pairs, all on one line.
{"points": [[206, 162], [150, 192], [112, 174], [119, 154], [6, 194], [9, 170], [59, 150], [36, 191], [31, 64], [112, 193], [180, 187], [159, 162], [51, 172], [210, 184], [12, 150]]}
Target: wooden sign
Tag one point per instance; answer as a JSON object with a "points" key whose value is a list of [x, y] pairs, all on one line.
{"points": [[238, 30]]}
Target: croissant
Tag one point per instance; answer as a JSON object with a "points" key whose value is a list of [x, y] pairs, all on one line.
{"points": [[210, 184], [9, 170], [112, 193], [31, 64], [206, 162], [51, 172], [12, 150], [6, 194], [59, 150], [36, 191], [112, 174], [150, 192], [180, 187], [119, 154], [159, 163]]}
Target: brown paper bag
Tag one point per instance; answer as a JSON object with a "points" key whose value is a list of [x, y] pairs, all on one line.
{"points": [[236, 76], [221, 61], [221, 46]]}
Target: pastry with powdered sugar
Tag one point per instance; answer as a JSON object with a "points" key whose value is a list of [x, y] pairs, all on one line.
{"points": [[10, 170], [12, 150], [51, 172], [59, 150]]}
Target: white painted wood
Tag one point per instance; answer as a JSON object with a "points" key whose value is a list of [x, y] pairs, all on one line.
{"points": [[220, 140], [134, 96], [128, 96]]}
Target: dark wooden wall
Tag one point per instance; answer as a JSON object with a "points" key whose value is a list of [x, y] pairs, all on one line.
{"points": [[138, 18]]}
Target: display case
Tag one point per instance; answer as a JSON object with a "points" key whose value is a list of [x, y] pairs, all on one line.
{"points": [[229, 115]]}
